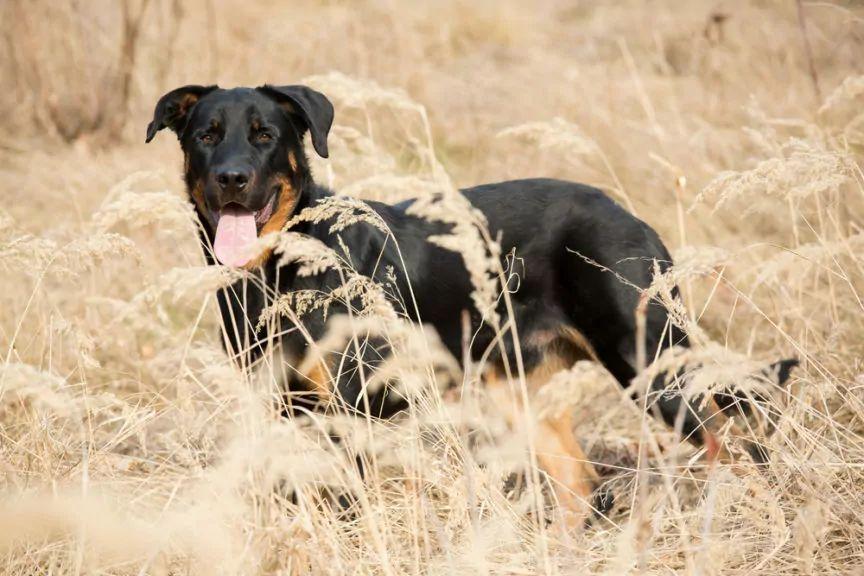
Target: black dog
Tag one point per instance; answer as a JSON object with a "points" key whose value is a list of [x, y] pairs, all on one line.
{"points": [[585, 257]]}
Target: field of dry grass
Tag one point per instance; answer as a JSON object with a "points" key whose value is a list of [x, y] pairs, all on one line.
{"points": [[129, 444]]}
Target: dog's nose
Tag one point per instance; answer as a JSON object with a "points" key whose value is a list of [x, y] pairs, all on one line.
{"points": [[232, 179]]}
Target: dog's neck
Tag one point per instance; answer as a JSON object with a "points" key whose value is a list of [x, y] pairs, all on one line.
{"points": [[310, 194]]}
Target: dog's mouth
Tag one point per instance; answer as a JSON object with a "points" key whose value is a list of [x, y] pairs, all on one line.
{"points": [[237, 230]]}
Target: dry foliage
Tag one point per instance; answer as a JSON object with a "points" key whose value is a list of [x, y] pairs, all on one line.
{"points": [[129, 444]]}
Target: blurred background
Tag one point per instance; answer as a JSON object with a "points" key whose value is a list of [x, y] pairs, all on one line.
{"points": [[662, 88]]}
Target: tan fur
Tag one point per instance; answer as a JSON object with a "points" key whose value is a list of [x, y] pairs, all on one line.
{"points": [[187, 102], [579, 343], [314, 374], [713, 420], [559, 454], [288, 198], [197, 194], [319, 379]]}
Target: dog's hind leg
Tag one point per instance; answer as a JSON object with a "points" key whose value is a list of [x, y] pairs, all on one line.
{"points": [[605, 275], [559, 455], [562, 458]]}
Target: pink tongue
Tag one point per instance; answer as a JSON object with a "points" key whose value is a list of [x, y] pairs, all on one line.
{"points": [[235, 235]]}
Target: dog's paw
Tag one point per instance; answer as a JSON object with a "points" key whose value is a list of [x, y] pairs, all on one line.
{"points": [[604, 500]]}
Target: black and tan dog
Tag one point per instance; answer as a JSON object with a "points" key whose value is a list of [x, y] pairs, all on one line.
{"points": [[586, 260]]}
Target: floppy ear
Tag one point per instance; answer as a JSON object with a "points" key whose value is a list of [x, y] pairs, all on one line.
{"points": [[172, 110], [312, 107]]}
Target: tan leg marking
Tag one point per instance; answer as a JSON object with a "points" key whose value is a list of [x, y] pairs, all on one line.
{"points": [[318, 379], [713, 421], [558, 452], [574, 478], [305, 376], [561, 456]]}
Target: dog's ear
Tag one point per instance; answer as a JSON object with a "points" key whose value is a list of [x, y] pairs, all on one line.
{"points": [[173, 109], [310, 106]]}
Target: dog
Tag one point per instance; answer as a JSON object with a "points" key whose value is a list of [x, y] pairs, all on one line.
{"points": [[587, 261]]}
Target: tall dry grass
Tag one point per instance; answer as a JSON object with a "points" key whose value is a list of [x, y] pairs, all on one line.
{"points": [[129, 443]]}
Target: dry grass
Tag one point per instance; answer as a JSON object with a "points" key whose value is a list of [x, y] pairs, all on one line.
{"points": [[130, 445]]}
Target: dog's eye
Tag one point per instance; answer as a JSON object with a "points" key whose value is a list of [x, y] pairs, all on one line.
{"points": [[207, 138], [263, 137]]}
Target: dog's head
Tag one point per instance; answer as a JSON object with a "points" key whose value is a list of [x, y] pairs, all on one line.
{"points": [[245, 166]]}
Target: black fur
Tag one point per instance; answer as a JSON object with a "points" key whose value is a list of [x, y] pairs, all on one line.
{"points": [[584, 258]]}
